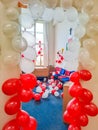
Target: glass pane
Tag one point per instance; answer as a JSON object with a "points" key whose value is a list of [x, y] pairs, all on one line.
{"points": [[39, 37], [39, 27], [40, 56]]}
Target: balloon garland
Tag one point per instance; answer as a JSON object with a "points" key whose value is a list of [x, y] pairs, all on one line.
{"points": [[60, 57], [20, 91], [81, 105]]}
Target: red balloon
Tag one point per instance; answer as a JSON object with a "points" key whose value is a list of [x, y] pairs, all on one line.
{"points": [[74, 127], [12, 106], [85, 75], [91, 109], [11, 125], [75, 77], [10, 86], [22, 118], [68, 118], [83, 120], [32, 124], [37, 97], [74, 107], [85, 95], [75, 89], [28, 80], [25, 95]]}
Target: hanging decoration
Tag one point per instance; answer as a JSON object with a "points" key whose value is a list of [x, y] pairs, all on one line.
{"points": [[60, 57]]}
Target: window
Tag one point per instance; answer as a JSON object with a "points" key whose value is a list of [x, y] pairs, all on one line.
{"points": [[38, 31]]}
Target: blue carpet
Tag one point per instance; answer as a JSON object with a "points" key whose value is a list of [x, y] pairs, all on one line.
{"points": [[48, 113]]}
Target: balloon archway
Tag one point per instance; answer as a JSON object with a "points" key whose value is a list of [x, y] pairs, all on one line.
{"points": [[81, 105]]}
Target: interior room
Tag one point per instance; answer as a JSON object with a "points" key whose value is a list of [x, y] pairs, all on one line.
{"points": [[48, 65]]}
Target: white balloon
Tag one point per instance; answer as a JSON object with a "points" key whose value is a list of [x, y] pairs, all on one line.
{"points": [[72, 14], [92, 30], [74, 46], [49, 3], [48, 14], [29, 53], [83, 55], [26, 20], [45, 95], [83, 18], [38, 89], [89, 43], [89, 64], [24, 1], [19, 43], [88, 6], [11, 58], [12, 13], [37, 8], [11, 29], [56, 94], [26, 66], [29, 38], [72, 65], [80, 31], [60, 17]]}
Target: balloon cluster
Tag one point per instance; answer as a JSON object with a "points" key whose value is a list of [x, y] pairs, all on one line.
{"points": [[60, 57], [44, 89], [40, 49], [20, 90], [81, 105]]}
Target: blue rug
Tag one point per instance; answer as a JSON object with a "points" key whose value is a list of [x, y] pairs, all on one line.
{"points": [[48, 113]]}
